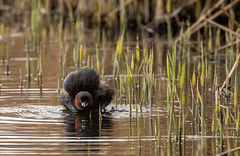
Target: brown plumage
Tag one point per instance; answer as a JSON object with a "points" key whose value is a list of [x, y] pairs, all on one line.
{"points": [[82, 90]]}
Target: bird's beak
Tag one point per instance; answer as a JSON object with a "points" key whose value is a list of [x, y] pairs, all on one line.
{"points": [[84, 104]]}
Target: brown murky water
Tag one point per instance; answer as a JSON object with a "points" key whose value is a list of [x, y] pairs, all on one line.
{"points": [[33, 122]]}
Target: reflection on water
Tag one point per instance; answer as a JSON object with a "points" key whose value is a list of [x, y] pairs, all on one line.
{"points": [[86, 124], [85, 127]]}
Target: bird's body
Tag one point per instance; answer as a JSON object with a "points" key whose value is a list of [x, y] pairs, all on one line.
{"points": [[82, 90]]}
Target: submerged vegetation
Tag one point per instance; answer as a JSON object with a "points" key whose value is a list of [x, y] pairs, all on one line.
{"points": [[197, 37]]}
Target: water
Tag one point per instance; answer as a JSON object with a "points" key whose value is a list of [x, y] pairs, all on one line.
{"points": [[33, 122]]}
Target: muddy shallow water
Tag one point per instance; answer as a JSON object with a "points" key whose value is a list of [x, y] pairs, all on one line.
{"points": [[33, 122]]}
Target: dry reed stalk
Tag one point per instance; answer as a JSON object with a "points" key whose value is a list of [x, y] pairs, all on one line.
{"points": [[234, 41], [222, 27], [197, 25], [226, 45], [229, 75], [229, 151], [201, 18], [215, 15]]}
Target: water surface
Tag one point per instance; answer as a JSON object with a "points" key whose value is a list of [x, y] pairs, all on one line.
{"points": [[33, 122]]}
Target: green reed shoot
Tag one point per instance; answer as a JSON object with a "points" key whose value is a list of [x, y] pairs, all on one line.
{"points": [[192, 83], [137, 51], [103, 64], [202, 80], [182, 78], [70, 11], [118, 54], [88, 61], [27, 63], [235, 85], [120, 87], [168, 100], [99, 119], [181, 85], [226, 116], [40, 68], [1, 44], [89, 151], [169, 31], [210, 44], [168, 70], [228, 81], [171, 83], [182, 101], [58, 86], [150, 78], [203, 66], [80, 53], [132, 63], [169, 6], [129, 91], [213, 125], [61, 57], [75, 57], [174, 66], [119, 48], [237, 120], [100, 114], [97, 57], [193, 77], [122, 14], [84, 55], [221, 134], [36, 20], [132, 90], [159, 132], [235, 97], [138, 128], [2, 29], [7, 61]]}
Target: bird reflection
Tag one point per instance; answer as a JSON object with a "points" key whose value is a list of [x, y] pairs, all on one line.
{"points": [[84, 126]]}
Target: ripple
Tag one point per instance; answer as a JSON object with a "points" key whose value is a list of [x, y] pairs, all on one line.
{"points": [[33, 111]]}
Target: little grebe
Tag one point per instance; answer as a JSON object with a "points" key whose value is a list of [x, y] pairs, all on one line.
{"points": [[82, 90]]}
